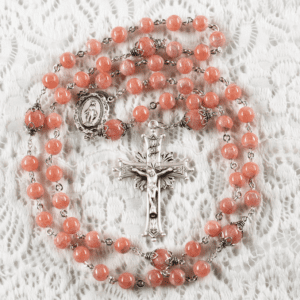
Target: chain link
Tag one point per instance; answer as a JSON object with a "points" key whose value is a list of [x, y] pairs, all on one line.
{"points": [[213, 27]]}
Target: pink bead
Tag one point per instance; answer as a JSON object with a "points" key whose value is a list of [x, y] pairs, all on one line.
{"points": [[50, 81], [252, 198], [62, 240], [202, 52], [250, 170], [141, 113], [134, 86], [217, 39], [119, 34], [44, 219], [54, 173], [155, 63], [231, 233], [29, 163], [101, 272], [193, 101], [201, 268], [237, 179], [211, 100], [126, 281], [211, 75], [194, 119], [71, 225], [92, 239], [154, 278], [127, 67], [246, 114], [173, 23], [177, 277], [60, 200], [249, 140], [230, 151], [228, 206], [122, 245], [146, 25], [233, 92], [185, 86], [103, 64], [184, 65], [174, 49], [159, 261], [93, 47], [82, 79], [81, 254], [34, 119], [53, 147], [103, 80], [212, 228], [167, 101], [200, 23], [35, 190], [192, 249], [157, 80], [114, 129], [147, 46], [53, 121], [224, 123], [62, 95], [67, 60]]}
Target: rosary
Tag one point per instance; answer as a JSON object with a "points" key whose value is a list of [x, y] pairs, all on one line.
{"points": [[154, 170]]}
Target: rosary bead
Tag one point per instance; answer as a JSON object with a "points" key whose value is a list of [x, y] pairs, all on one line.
{"points": [[252, 198], [34, 119], [35, 190], [67, 60], [154, 278], [126, 280], [167, 101], [81, 254], [155, 63], [232, 92], [200, 23], [114, 129], [29, 163], [249, 140], [194, 119], [230, 151], [211, 75], [237, 179], [44, 219], [53, 146], [103, 64], [246, 114], [157, 80], [211, 100], [224, 123], [54, 173], [62, 240], [202, 52], [217, 39], [50, 81], [159, 261], [71, 225], [100, 272], [62, 95], [231, 231], [177, 277], [127, 67], [146, 25], [193, 101], [192, 249], [147, 46], [122, 245], [212, 228], [250, 170], [53, 121], [184, 65], [92, 239], [201, 268], [103, 80], [93, 47], [60, 200], [134, 86], [174, 49], [228, 206], [173, 23], [141, 113], [119, 34], [82, 79], [185, 86]]}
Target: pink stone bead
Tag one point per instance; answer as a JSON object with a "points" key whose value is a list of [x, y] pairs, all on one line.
{"points": [[185, 86], [155, 63], [211, 100], [53, 147], [217, 39], [103, 64], [157, 80], [101, 272], [224, 123], [211, 75], [103, 80], [193, 101], [119, 34], [246, 114], [202, 52], [230, 151], [212, 228], [122, 245], [67, 60], [154, 278], [141, 113], [53, 121], [35, 190], [200, 23], [231, 233], [250, 170], [82, 79], [249, 140], [29, 163], [62, 95], [62, 240], [127, 67], [184, 65], [252, 198], [192, 249], [195, 120], [126, 281], [233, 92], [93, 47], [147, 46], [228, 206], [134, 86], [237, 179], [146, 25], [92, 239], [54, 173], [114, 129], [201, 268], [173, 23], [60, 200], [44, 219], [167, 101], [174, 49], [177, 277], [50, 81], [159, 261], [81, 254], [71, 225], [34, 119]]}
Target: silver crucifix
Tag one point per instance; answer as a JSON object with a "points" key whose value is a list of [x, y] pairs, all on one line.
{"points": [[153, 172]]}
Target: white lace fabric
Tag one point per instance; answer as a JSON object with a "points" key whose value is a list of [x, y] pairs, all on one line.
{"points": [[261, 55]]}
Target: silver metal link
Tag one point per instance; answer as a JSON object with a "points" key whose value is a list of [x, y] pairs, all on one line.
{"points": [[81, 53], [112, 280], [64, 213], [233, 165], [252, 184], [216, 51], [248, 127], [43, 91], [226, 137], [191, 279], [213, 27], [219, 216], [188, 52], [241, 101], [172, 81], [141, 62], [50, 232], [132, 29], [205, 240], [140, 283], [189, 20], [106, 41], [90, 266], [223, 80], [236, 194], [56, 68], [91, 71], [159, 22], [49, 160], [39, 205], [107, 241], [53, 106], [32, 178], [250, 155], [145, 83], [70, 86], [198, 92], [199, 70], [59, 187], [170, 62], [56, 133]]}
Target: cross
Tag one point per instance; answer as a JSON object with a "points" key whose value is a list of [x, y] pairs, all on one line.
{"points": [[153, 172]]}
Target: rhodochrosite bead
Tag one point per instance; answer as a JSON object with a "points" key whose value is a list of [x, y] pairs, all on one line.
{"points": [[119, 34], [53, 121], [62, 95], [60, 200], [34, 119], [134, 86], [217, 39], [50, 81], [177, 277], [93, 47], [184, 65], [159, 261], [202, 52], [157, 80], [228, 206], [44, 219], [82, 79], [114, 129], [126, 280], [54, 173], [211, 100], [185, 86], [174, 49], [81, 254], [252, 198], [67, 60], [211, 75], [231, 231], [127, 67], [71, 225], [194, 119], [250, 170], [193, 101], [103, 80], [92, 239], [224, 123], [167, 101], [212, 228], [155, 63], [103, 64], [100, 272], [246, 114], [122, 245], [192, 249], [173, 23], [230, 151], [53, 146], [147, 46], [200, 23], [62, 240], [35, 190], [154, 278], [146, 25], [237, 179], [249, 140], [141, 113], [233, 92], [201, 268], [29, 163]]}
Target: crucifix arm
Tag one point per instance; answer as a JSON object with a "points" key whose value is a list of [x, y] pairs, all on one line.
{"points": [[165, 171], [139, 172]]}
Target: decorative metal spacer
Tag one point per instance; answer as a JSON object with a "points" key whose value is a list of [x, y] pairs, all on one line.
{"points": [[207, 113], [174, 261]]}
